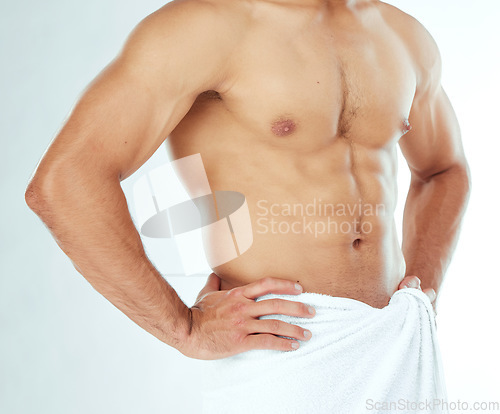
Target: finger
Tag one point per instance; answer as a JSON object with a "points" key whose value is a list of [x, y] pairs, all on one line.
{"points": [[281, 307], [277, 327], [410, 282], [431, 293], [271, 285], [212, 285], [268, 341]]}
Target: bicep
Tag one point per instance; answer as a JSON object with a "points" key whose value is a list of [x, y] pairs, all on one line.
{"points": [[117, 124], [138, 99], [434, 143]]}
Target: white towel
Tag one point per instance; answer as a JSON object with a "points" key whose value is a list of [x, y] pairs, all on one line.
{"points": [[359, 359]]}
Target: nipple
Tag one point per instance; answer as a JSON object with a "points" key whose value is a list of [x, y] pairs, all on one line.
{"points": [[284, 127], [406, 126]]}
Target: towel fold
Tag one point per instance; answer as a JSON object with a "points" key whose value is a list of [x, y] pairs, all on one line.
{"points": [[359, 359]]}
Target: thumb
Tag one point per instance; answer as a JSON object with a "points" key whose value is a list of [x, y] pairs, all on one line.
{"points": [[212, 285]]}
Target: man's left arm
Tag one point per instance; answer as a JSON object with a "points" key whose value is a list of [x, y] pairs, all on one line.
{"points": [[440, 178]]}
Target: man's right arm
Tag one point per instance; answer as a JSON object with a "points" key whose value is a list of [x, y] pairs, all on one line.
{"points": [[121, 119]]}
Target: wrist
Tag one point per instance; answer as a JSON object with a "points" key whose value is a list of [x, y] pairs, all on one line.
{"points": [[181, 332]]}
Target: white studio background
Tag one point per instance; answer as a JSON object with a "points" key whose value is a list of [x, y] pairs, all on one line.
{"points": [[64, 349]]}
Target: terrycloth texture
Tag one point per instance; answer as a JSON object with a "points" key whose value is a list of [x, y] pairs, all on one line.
{"points": [[359, 359]]}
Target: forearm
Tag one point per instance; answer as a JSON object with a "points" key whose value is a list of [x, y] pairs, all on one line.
{"points": [[431, 224], [87, 214]]}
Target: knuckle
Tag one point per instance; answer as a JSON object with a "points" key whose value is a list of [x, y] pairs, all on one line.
{"points": [[235, 292], [299, 332], [238, 322], [238, 307], [276, 306], [275, 325]]}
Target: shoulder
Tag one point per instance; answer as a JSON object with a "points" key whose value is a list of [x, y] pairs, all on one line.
{"points": [[188, 36], [200, 21], [420, 44], [197, 14]]}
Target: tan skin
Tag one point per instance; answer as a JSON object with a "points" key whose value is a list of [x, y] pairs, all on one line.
{"points": [[307, 100]]}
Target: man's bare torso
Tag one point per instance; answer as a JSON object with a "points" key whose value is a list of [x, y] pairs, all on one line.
{"points": [[316, 101], [293, 105]]}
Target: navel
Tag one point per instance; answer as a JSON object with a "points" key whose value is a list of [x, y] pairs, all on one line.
{"points": [[283, 127]]}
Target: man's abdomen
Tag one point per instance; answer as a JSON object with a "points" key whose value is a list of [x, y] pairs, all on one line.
{"points": [[330, 230]]}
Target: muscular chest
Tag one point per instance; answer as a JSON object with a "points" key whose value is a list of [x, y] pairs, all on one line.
{"points": [[324, 83]]}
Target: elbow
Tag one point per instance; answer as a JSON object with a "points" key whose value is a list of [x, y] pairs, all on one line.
{"points": [[458, 171], [457, 176], [462, 176], [40, 192], [34, 196]]}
